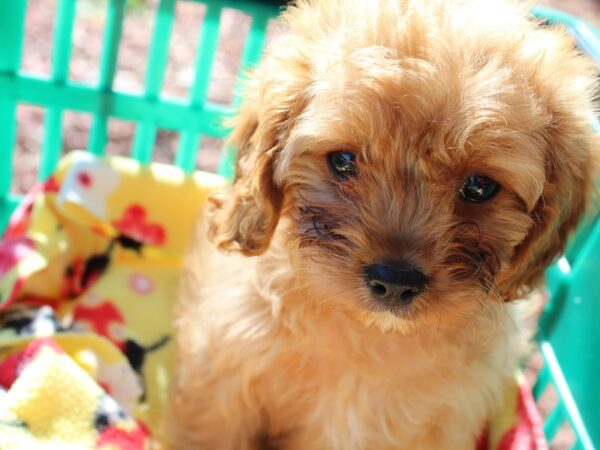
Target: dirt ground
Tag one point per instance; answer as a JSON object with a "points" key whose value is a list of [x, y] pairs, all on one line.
{"points": [[87, 41]]}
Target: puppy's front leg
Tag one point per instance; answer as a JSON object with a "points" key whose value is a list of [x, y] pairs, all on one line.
{"points": [[208, 412]]}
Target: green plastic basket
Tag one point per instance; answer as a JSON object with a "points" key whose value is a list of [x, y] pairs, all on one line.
{"points": [[192, 118], [569, 334]]}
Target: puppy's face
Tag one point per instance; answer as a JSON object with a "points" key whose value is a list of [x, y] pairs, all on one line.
{"points": [[417, 176]]}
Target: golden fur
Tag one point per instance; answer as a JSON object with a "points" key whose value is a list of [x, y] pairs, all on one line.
{"points": [[280, 344]]}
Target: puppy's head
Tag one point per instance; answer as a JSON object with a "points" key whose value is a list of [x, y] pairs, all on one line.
{"points": [[424, 158]]}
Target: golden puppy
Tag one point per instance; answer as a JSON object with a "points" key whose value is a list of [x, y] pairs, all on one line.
{"points": [[406, 168]]}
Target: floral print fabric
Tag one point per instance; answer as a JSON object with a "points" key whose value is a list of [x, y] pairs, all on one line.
{"points": [[88, 273]]}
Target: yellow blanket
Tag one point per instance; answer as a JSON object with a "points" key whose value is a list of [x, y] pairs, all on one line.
{"points": [[91, 258], [88, 273]]}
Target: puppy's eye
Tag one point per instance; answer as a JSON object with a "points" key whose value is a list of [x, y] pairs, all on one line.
{"points": [[478, 188], [342, 164]]}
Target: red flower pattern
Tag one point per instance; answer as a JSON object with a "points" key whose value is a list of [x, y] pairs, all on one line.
{"points": [[13, 250], [100, 318], [84, 179], [133, 224]]}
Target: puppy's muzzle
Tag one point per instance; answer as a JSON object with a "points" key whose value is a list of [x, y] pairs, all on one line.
{"points": [[395, 282]]}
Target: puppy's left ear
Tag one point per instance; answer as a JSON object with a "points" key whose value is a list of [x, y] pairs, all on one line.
{"points": [[245, 219], [570, 170]]}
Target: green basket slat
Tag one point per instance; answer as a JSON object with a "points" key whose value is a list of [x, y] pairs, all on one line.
{"points": [[585, 252], [145, 134], [7, 206], [206, 48], [159, 48], [108, 66], [563, 390], [560, 280], [143, 142], [8, 119], [112, 37], [541, 383], [63, 33], [12, 31], [98, 134], [554, 421], [51, 142], [577, 445], [171, 114], [186, 151]]}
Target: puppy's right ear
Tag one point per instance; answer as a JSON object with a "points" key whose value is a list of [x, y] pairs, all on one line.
{"points": [[244, 220]]}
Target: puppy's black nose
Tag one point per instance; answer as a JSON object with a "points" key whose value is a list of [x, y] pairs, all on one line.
{"points": [[395, 282]]}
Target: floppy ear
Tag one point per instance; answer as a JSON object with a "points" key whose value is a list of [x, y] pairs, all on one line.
{"points": [[244, 219], [567, 191]]}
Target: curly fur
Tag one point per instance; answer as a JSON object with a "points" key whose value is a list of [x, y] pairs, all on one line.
{"points": [[280, 342]]}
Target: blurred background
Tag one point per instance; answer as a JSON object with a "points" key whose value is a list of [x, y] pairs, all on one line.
{"points": [[137, 30]]}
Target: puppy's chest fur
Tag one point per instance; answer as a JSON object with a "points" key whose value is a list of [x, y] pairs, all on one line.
{"points": [[309, 377], [392, 393]]}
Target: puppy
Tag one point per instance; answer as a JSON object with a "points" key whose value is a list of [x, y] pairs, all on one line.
{"points": [[406, 170]]}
